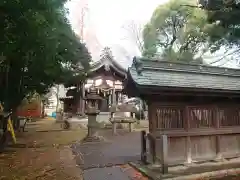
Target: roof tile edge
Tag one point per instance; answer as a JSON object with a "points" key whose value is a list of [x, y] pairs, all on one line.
{"points": [[143, 63]]}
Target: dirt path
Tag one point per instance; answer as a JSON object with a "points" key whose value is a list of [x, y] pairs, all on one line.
{"points": [[42, 153]]}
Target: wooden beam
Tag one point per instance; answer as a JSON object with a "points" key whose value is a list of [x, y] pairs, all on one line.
{"points": [[197, 132], [151, 90]]}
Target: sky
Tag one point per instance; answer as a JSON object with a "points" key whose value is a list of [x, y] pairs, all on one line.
{"points": [[105, 21], [110, 15]]}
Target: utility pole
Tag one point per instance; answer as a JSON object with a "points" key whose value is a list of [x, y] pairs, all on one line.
{"points": [[83, 6], [82, 23]]}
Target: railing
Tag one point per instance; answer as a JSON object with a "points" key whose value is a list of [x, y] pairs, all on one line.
{"points": [[152, 142], [196, 132]]}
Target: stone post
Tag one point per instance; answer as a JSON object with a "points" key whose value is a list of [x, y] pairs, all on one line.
{"points": [[93, 127]]}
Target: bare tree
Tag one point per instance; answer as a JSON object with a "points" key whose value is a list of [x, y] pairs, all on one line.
{"points": [[134, 34]]}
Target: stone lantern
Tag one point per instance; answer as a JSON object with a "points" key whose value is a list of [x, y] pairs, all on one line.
{"points": [[92, 112]]}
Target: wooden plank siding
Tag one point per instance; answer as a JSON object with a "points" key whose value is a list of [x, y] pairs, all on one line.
{"points": [[196, 132]]}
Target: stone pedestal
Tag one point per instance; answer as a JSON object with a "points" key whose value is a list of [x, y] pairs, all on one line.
{"points": [[93, 126]]}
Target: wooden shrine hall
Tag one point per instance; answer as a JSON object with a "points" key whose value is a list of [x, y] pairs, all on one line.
{"points": [[105, 79], [196, 107]]}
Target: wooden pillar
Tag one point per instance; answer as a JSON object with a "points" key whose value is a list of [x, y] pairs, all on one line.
{"points": [[152, 143], [152, 129], [109, 99], [117, 95], [113, 97], [164, 155], [188, 139], [143, 147], [152, 110], [79, 102], [216, 121]]}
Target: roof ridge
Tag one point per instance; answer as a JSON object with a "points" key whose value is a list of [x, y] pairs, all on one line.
{"points": [[140, 64], [194, 71], [166, 79], [182, 63]]}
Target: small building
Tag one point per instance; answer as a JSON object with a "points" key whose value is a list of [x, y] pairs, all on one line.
{"points": [[105, 78], [197, 107]]}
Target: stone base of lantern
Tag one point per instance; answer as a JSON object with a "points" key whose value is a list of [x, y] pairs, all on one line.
{"points": [[93, 127], [93, 139], [92, 135]]}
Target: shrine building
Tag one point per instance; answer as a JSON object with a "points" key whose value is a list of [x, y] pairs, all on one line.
{"points": [[105, 78], [195, 106]]}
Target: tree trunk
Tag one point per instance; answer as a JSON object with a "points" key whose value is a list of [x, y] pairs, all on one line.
{"points": [[43, 110], [12, 106]]}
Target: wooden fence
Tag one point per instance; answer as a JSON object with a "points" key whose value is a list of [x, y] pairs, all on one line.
{"points": [[195, 133]]}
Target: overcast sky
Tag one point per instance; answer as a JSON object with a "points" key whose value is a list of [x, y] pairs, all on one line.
{"points": [[104, 21], [106, 18]]}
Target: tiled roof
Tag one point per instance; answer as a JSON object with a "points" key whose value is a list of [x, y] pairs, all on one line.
{"points": [[108, 62], [146, 72]]}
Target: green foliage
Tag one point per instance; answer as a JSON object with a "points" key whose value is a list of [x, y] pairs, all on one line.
{"points": [[150, 44], [186, 56], [39, 48], [225, 16], [176, 32]]}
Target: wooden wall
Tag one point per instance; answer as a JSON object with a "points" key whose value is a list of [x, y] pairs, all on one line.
{"points": [[196, 132]]}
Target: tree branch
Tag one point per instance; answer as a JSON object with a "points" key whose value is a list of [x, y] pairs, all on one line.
{"points": [[174, 31]]}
